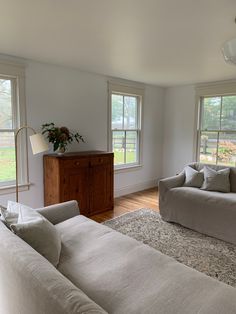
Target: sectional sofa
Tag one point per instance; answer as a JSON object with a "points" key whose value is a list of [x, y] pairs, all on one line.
{"points": [[210, 212], [101, 271]]}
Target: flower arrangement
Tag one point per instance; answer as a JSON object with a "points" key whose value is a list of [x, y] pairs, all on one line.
{"points": [[60, 137]]}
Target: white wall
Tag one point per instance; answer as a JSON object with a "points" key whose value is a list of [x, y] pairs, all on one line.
{"points": [[179, 124], [79, 100]]}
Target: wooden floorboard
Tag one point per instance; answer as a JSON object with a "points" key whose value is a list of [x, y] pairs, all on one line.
{"points": [[128, 203]]}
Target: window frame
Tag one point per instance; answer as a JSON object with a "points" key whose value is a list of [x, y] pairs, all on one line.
{"points": [[16, 73], [217, 89], [127, 90]]}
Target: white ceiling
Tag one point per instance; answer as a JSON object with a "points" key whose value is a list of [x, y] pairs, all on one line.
{"points": [[162, 42]]}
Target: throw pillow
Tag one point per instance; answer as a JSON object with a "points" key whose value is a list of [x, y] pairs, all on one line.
{"points": [[2, 218], [39, 233], [216, 180], [193, 178], [10, 214]]}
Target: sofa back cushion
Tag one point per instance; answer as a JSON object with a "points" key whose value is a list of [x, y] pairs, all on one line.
{"points": [[30, 284], [216, 180], [232, 175], [9, 214], [39, 233]]}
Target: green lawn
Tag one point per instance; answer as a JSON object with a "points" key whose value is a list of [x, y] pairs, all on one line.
{"points": [[7, 164], [119, 157]]}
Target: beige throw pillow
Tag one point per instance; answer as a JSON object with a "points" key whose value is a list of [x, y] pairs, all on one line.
{"points": [[39, 233], [216, 180], [193, 178], [10, 214]]}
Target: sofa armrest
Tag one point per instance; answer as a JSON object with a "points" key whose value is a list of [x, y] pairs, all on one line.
{"points": [[169, 183], [60, 212]]}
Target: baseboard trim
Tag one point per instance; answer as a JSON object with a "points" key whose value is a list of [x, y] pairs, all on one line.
{"points": [[136, 187]]}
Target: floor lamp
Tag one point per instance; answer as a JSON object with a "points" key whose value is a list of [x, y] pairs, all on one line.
{"points": [[38, 145]]}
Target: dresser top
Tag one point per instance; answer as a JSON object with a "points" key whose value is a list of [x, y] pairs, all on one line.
{"points": [[78, 154]]}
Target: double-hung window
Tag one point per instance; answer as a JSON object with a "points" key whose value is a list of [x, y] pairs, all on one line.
{"points": [[12, 115], [217, 130], [125, 126]]}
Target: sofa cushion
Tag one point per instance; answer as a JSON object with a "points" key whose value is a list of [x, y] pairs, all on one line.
{"points": [[204, 197], [193, 177], [39, 233], [123, 275], [232, 176], [10, 214], [31, 285], [216, 180]]}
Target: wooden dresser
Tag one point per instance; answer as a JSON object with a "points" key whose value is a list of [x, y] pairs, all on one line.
{"points": [[83, 176]]}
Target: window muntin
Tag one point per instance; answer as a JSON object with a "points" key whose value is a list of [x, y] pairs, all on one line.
{"points": [[125, 129], [217, 131]]}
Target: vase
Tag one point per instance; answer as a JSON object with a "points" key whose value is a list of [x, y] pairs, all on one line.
{"points": [[61, 150]]}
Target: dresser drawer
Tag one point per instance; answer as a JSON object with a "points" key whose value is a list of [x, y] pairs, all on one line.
{"points": [[76, 163], [101, 160]]}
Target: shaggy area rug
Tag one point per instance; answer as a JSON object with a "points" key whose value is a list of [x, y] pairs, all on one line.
{"points": [[208, 255]]}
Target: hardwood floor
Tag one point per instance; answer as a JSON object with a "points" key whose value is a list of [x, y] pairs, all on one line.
{"points": [[128, 203]]}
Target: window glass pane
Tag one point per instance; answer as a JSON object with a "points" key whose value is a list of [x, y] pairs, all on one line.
{"points": [[228, 117], [131, 146], [7, 157], [130, 112], [211, 113], [208, 147], [118, 145], [5, 104], [117, 111], [227, 149]]}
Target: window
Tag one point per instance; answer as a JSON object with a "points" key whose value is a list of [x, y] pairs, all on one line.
{"points": [[11, 117], [7, 158], [125, 132], [217, 130]]}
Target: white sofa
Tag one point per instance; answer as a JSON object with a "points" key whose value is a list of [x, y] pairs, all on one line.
{"points": [[101, 271], [209, 212]]}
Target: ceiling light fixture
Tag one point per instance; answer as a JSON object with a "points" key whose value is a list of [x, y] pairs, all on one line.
{"points": [[229, 50]]}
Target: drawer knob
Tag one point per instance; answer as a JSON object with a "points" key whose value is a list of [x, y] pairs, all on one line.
{"points": [[77, 163]]}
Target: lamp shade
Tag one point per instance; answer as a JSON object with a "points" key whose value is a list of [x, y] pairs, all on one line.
{"points": [[38, 143], [229, 51]]}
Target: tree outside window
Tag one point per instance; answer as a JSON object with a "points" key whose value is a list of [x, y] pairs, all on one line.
{"points": [[217, 133]]}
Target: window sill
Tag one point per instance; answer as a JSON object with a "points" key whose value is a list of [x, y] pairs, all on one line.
{"points": [[12, 188], [127, 168]]}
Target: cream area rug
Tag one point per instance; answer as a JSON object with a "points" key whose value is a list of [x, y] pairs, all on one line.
{"points": [[208, 255]]}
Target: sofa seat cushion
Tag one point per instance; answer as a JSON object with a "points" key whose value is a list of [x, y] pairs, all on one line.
{"points": [[123, 275], [199, 195]]}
